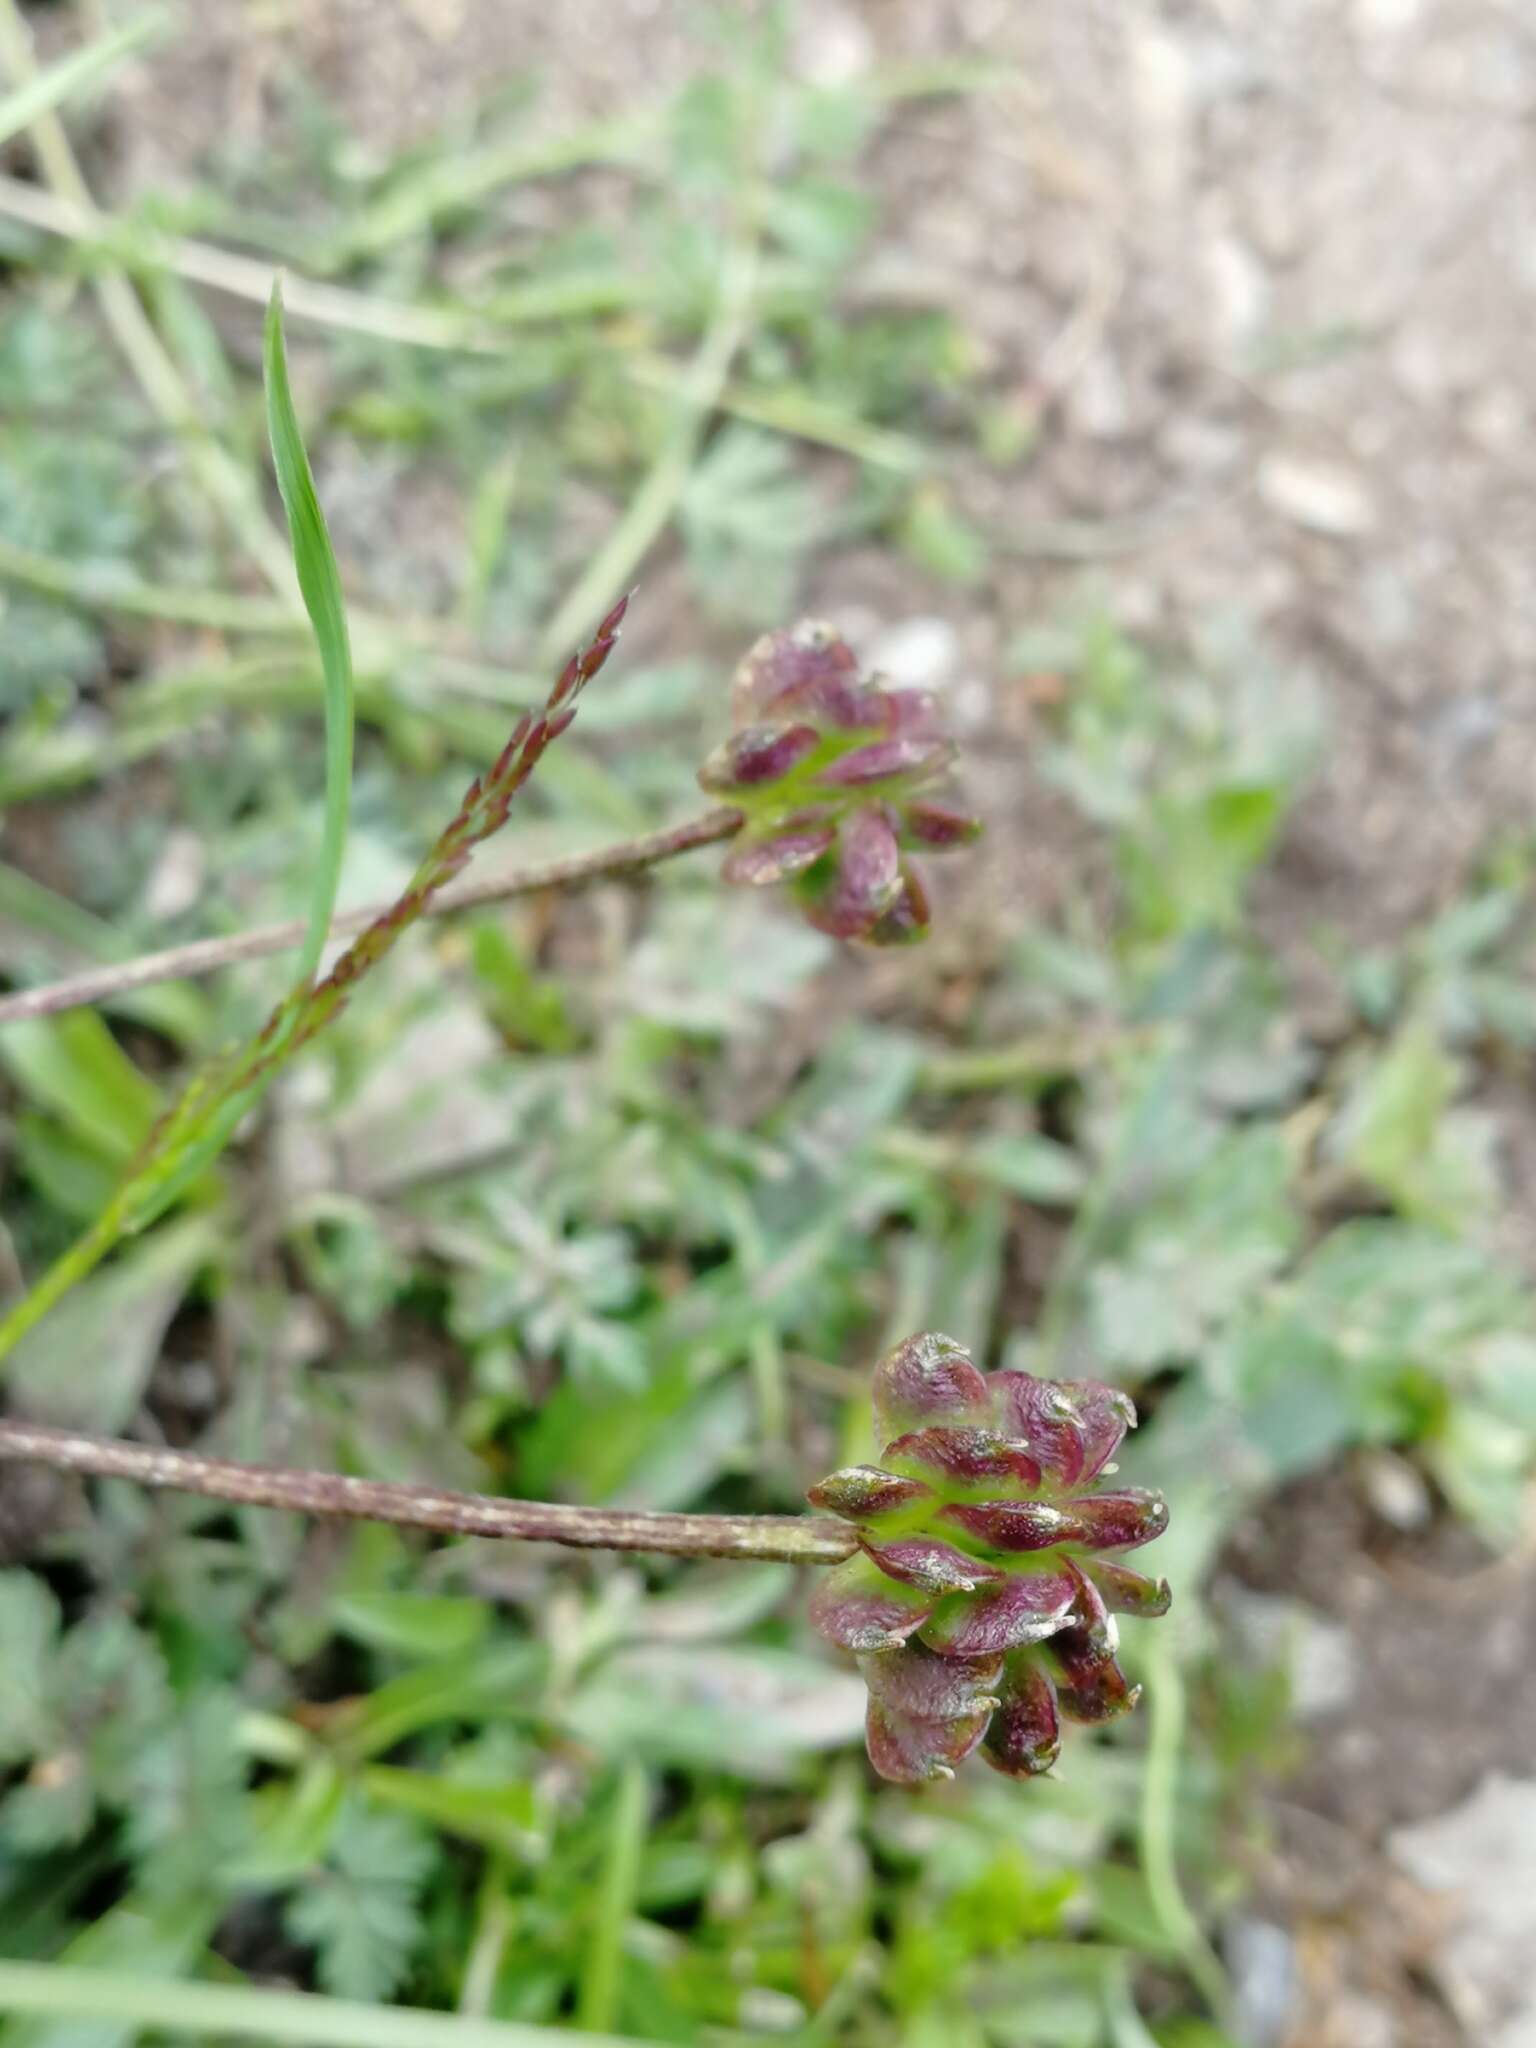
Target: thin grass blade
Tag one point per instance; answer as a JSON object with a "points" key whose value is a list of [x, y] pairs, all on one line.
{"points": [[75, 73], [314, 562]]}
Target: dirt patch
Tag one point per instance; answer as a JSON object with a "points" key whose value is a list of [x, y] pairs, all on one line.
{"points": [[1441, 1647], [1438, 1653]]}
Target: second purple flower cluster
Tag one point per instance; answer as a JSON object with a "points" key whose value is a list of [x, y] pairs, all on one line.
{"points": [[833, 771]]}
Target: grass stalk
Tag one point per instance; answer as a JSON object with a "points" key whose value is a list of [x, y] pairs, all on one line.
{"points": [[231, 488], [205, 956]]}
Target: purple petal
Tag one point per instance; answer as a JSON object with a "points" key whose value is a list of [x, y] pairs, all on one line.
{"points": [[862, 1493], [1012, 1525], [909, 917], [965, 1457], [1126, 1592], [913, 714], [929, 1378], [1116, 1521], [1090, 1684], [909, 1751], [1026, 1608], [1104, 1414], [1024, 1736], [859, 1608], [905, 756], [937, 826], [764, 861], [929, 1564], [914, 1681], [761, 755], [1088, 1687], [1043, 1414], [1091, 1619], [810, 664], [866, 879]]}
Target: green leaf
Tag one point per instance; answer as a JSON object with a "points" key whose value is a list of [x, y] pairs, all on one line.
{"points": [[1483, 1462], [939, 539], [73, 1067], [503, 1815], [1397, 1128], [29, 1627], [320, 586], [421, 1625], [529, 1008], [1189, 1261], [747, 516], [360, 1911], [87, 1366], [1037, 1168], [745, 1710], [497, 1679], [293, 1822], [50, 921], [188, 1816]]}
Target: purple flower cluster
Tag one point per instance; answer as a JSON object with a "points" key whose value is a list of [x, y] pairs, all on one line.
{"points": [[978, 1603], [831, 770]]}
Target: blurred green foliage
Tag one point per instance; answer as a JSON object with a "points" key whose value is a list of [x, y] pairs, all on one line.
{"points": [[617, 1204]]}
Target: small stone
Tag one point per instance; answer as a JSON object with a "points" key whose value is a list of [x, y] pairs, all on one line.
{"points": [[1098, 402], [1396, 1490], [1202, 446], [1498, 418], [1362, 2023], [1422, 365], [1386, 17], [1317, 1653], [1323, 497], [834, 47], [1239, 290], [1483, 1853], [1262, 1960], [918, 654], [176, 879]]}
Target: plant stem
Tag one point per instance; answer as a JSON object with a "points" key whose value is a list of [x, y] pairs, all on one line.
{"points": [[145, 249], [126, 2004], [204, 956], [1028, 1064], [789, 1539], [107, 588], [1159, 1814]]}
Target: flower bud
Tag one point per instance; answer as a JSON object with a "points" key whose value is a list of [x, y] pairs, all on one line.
{"points": [[976, 1604], [757, 758], [827, 765], [759, 862]]}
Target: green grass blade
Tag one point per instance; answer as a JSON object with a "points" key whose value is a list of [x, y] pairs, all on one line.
{"points": [[314, 561], [239, 2012], [600, 1980], [74, 73]]}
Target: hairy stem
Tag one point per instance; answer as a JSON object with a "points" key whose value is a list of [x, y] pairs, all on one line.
{"points": [[204, 956], [792, 1539]]}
